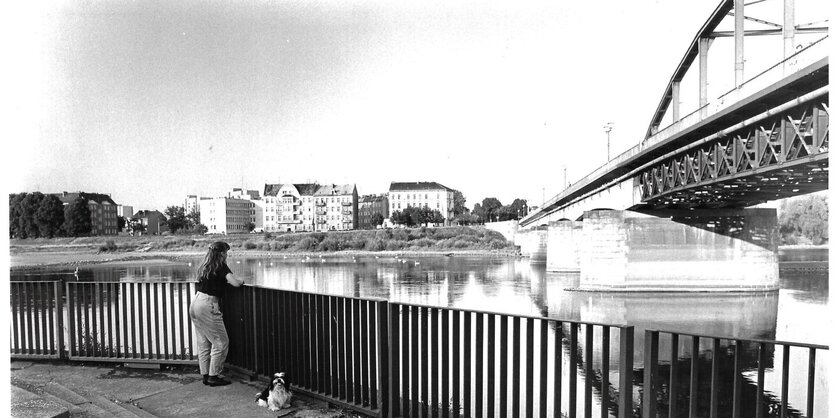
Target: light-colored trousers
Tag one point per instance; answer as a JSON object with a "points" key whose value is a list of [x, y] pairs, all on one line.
{"points": [[212, 340]]}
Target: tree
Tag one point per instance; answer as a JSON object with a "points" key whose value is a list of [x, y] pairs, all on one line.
{"points": [[458, 201], [176, 218], [806, 218], [120, 223], [377, 219], [478, 213], [77, 218], [193, 218], [134, 226], [519, 207], [27, 224], [15, 200], [491, 206], [250, 226], [436, 217], [50, 216]]}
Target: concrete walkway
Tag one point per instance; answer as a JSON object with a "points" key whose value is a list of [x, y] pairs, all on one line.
{"points": [[63, 389]]}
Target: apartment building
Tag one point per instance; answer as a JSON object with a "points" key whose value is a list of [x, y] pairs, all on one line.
{"points": [[153, 222], [433, 195], [124, 211], [103, 211], [191, 204], [227, 215], [336, 207], [283, 211], [370, 205]]}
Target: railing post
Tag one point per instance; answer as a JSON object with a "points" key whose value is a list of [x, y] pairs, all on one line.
{"points": [[255, 342], [383, 347], [627, 350], [59, 319], [650, 366]]}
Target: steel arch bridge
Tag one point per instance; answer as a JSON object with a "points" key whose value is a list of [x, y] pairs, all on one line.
{"points": [[766, 139]]}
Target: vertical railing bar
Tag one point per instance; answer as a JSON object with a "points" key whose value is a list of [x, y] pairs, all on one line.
{"points": [[543, 368], [59, 325], [256, 327], [15, 296], [572, 370], [405, 391], [318, 346], [324, 333], [166, 289], [374, 323], [456, 364], [156, 320], [784, 387], [468, 341], [694, 378], [349, 352], [529, 393], [650, 369], [191, 289], [86, 331], [321, 332], [434, 341], [98, 304], [737, 389], [491, 365], [37, 316], [424, 361], [714, 380], [479, 364], [343, 342], [627, 349], [312, 370], [366, 353], [444, 380], [504, 323], [110, 307], [71, 306], [604, 372], [395, 407], [173, 309], [517, 367], [138, 310], [414, 352], [27, 317], [358, 355], [589, 360], [335, 348], [51, 294], [128, 307], [385, 344], [673, 386], [181, 320], [810, 385]]}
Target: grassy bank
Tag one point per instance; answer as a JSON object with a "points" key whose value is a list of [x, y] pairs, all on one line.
{"points": [[409, 239]]}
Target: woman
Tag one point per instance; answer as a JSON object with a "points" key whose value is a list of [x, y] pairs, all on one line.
{"points": [[212, 341]]}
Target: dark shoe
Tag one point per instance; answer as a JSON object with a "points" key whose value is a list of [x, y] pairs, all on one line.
{"points": [[205, 379], [217, 381]]}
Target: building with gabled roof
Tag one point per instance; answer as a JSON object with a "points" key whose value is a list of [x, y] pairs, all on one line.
{"points": [[430, 194], [103, 211], [369, 205], [336, 207]]}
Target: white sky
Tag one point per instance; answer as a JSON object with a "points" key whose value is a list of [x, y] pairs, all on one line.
{"points": [[151, 101]]}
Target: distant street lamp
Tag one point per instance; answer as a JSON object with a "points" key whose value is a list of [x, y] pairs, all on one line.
{"points": [[608, 128]]}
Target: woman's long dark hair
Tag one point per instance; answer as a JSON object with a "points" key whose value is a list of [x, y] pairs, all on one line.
{"points": [[213, 260]]}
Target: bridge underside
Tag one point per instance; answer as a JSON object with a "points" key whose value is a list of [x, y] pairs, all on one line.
{"points": [[784, 155]]}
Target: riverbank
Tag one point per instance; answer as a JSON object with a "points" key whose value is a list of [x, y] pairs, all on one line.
{"points": [[41, 253]]}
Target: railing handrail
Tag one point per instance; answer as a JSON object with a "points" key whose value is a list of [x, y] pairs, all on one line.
{"points": [[753, 340]]}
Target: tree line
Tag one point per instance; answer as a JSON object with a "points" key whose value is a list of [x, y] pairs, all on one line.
{"points": [[490, 209], [35, 215]]}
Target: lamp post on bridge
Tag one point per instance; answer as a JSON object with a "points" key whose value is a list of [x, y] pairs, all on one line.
{"points": [[608, 128]]}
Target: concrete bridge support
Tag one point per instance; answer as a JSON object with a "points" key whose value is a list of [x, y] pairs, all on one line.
{"points": [[706, 250], [533, 244], [563, 249]]}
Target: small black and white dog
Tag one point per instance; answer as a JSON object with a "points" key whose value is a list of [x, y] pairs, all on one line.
{"points": [[276, 395]]}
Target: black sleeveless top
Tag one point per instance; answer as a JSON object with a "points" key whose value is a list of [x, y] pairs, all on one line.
{"points": [[215, 284]]}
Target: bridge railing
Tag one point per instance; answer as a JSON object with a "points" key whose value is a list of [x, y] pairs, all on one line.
{"points": [[706, 374]]}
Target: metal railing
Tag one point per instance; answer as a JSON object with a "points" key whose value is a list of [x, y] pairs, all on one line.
{"points": [[727, 367], [37, 323], [396, 359]]}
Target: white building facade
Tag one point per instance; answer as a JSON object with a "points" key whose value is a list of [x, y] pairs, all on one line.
{"points": [[432, 195]]}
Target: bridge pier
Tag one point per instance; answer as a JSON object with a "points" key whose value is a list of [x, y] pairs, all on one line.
{"points": [[563, 250], [532, 244], [699, 250]]}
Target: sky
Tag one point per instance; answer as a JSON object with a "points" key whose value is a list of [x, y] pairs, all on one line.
{"points": [[151, 101]]}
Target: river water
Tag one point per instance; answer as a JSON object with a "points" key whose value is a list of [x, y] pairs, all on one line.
{"points": [[797, 312]]}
